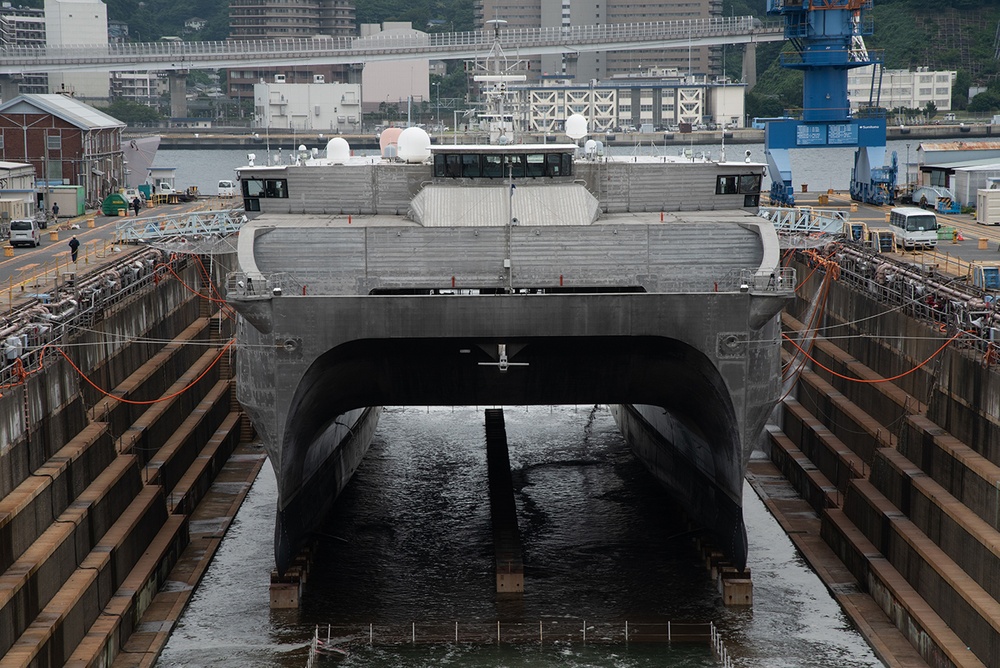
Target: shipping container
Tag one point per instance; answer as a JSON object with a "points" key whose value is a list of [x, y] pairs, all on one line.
{"points": [[988, 207], [71, 200]]}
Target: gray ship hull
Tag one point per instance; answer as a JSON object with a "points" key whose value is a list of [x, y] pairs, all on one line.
{"points": [[302, 512], [711, 499]]}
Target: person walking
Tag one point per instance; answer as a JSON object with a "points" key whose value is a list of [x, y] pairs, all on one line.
{"points": [[55, 209], [136, 204], [74, 247]]}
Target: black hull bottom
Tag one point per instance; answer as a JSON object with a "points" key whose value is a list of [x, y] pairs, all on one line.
{"points": [[715, 505], [307, 509]]}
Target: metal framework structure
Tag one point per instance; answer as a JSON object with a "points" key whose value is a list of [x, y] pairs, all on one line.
{"points": [[804, 221], [827, 37], [194, 226]]}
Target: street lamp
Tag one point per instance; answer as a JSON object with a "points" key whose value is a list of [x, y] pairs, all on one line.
{"points": [[907, 166], [437, 114]]}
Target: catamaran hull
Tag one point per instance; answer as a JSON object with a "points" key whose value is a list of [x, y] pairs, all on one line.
{"points": [[711, 501], [304, 510]]}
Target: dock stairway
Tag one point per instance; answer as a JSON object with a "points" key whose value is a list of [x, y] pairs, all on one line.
{"points": [[88, 535], [907, 508]]}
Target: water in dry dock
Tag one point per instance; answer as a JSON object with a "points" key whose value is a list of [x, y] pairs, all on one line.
{"points": [[410, 542]]}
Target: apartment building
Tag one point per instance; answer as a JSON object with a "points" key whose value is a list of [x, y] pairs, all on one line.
{"points": [[697, 60], [24, 26], [288, 19]]}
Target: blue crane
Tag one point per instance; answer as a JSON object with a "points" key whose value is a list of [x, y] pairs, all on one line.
{"points": [[828, 40]]}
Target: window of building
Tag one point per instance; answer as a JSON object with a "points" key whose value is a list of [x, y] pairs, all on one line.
{"points": [[53, 142]]}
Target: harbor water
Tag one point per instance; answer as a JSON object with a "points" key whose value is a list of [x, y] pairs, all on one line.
{"points": [[407, 553]]}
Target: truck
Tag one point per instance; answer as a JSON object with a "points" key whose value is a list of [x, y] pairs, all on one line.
{"points": [[165, 193]]}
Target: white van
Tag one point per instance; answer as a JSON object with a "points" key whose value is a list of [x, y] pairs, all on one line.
{"points": [[25, 232], [227, 188], [914, 227]]}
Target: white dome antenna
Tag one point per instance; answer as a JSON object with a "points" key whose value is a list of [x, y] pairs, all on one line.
{"points": [[576, 127]]}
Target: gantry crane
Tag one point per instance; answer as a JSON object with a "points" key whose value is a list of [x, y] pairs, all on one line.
{"points": [[828, 36]]}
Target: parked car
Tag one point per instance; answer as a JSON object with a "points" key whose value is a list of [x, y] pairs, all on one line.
{"points": [[25, 232]]}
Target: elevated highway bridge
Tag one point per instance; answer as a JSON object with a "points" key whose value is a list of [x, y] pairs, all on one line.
{"points": [[179, 57]]}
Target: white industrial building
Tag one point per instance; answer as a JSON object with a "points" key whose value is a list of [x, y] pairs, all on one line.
{"points": [[323, 107], [70, 22], [661, 100], [901, 88]]}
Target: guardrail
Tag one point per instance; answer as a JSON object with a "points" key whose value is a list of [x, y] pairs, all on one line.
{"points": [[187, 55], [40, 278], [541, 632]]}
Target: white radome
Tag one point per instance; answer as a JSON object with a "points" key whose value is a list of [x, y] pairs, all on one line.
{"points": [[414, 145], [576, 127], [338, 150]]}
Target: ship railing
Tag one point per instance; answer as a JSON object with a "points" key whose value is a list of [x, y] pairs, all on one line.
{"points": [[242, 285], [782, 279]]}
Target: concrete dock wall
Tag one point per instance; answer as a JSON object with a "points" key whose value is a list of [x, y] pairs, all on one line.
{"points": [[86, 534], [916, 523]]}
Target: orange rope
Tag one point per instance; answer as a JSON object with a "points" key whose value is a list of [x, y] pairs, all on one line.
{"points": [[879, 380], [151, 401]]}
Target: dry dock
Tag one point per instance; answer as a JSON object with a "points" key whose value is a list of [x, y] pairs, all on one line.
{"points": [[112, 504]]}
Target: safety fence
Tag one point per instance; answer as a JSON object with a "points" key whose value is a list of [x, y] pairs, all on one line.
{"points": [[339, 639], [37, 280]]}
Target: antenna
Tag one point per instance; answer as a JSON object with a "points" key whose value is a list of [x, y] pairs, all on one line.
{"points": [[497, 74]]}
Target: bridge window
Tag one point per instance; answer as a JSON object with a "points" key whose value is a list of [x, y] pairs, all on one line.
{"points": [[535, 165], [514, 166], [470, 166], [493, 166], [272, 188], [734, 184], [500, 166]]}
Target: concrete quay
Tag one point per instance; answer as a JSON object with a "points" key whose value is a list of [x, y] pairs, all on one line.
{"points": [[254, 138]]}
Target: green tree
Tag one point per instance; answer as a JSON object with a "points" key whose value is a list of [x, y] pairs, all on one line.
{"points": [[988, 101], [764, 106], [931, 110], [130, 112]]}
